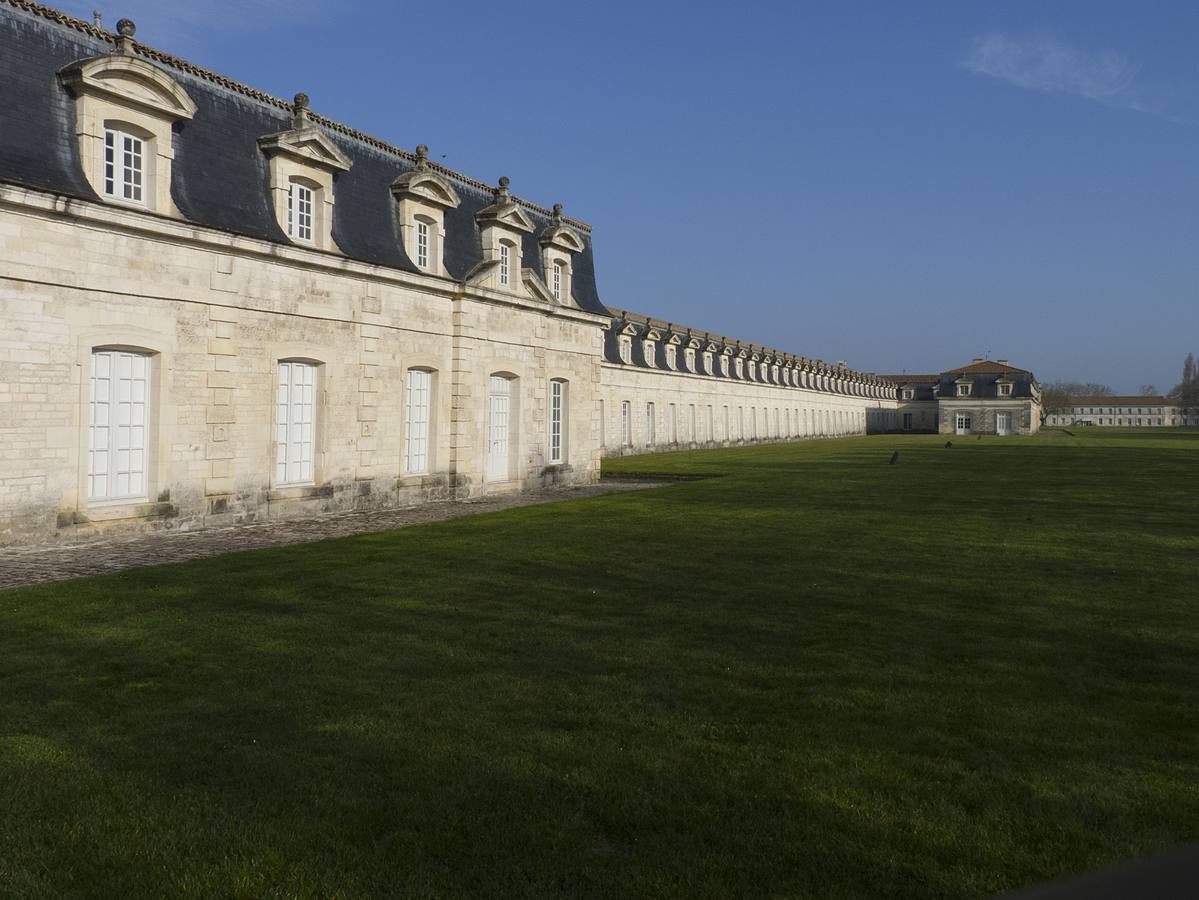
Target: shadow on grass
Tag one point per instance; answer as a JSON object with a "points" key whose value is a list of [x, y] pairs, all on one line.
{"points": [[816, 676]]}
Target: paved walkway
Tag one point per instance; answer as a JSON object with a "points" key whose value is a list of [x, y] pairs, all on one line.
{"points": [[30, 565]]}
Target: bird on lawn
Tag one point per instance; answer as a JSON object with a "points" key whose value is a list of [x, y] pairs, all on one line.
{"points": [[894, 458], [948, 444]]}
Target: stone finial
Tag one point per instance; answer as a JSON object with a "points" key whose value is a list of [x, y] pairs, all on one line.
{"points": [[503, 193], [126, 29], [300, 110], [422, 157], [557, 213], [96, 17]]}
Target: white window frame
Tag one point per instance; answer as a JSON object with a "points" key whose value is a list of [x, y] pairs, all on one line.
{"points": [[963, 390], [301, 212], [424, 257], [118, 426], [295, 423], [626, 349], [651, 425], [626, 423], [558, 412], [556, 282], [1005, 390], [418, 397], [672, 356], [125, 155], [505, 264]]}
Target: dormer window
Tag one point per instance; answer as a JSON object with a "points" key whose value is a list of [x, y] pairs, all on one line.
{"points": [[648, 348], [125, 109], [908, 393], [671, 357], [559, 242], [964, 389], [689, 359], [299, 212], [740, 368], [708, 362], [626, 349], [423, 195], [1005, 389], [502, 226], [303, 161]]}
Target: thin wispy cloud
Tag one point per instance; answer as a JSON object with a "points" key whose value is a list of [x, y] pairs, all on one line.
{"points": [[1043, 63]]}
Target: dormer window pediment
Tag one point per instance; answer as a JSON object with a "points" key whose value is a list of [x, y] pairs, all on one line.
{"points": [[505, 212], [307, 145], [130, 81]]}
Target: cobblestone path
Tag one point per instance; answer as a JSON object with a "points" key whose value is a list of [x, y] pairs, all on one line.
{"points": [[31, 565]]}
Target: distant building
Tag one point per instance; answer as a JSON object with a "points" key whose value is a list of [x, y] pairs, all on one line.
{"points": [[984, 397], [1121, 412]]}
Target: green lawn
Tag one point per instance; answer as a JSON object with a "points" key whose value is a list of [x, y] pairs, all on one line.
{"points": [[817, 675]]}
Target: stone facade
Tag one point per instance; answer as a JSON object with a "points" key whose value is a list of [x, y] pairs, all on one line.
{"points": [[984, 397], [219, 307], [1122, 412]]}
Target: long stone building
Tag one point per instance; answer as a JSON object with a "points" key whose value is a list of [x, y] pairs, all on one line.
{"points": [[217, 306], [1121, 412]]}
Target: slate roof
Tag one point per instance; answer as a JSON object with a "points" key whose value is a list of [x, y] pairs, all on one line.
{"points": [[912, 379], [220, 176], [643, 323]]}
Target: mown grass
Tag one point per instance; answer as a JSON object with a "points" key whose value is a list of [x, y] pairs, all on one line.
{"points": [[816, 675]]}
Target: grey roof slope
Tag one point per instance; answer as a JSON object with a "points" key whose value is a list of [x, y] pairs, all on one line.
{"points": [[221, 178]]}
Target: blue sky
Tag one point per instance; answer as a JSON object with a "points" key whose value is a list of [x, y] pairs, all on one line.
{"points": [[900, 185]]}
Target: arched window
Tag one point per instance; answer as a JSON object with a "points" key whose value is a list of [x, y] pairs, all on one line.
{"points": [[558, 421], [505, 263], [418, 390], [671, 356], [295, 423], [118, 425], [126, 159], [424, 244], [626, 349], [558, 279], [301, 207], [500, 432]]}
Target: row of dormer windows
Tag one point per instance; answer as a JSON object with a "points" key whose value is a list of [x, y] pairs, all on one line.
{"points": [[126, 111], [764, 373]]}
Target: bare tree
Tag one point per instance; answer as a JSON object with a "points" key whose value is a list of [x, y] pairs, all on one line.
{"points": [[1148, 390]]}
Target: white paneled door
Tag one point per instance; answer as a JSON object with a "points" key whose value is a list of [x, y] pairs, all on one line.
{"points": [[499, 404], [1003, 423], [963, 423]]}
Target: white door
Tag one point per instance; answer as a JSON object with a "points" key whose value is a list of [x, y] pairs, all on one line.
{"points": [[1003, 423], [963, 423], [497, 428]]}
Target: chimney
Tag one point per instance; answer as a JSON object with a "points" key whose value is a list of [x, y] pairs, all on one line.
{"points": [[1002, 362], [976, 359]]}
